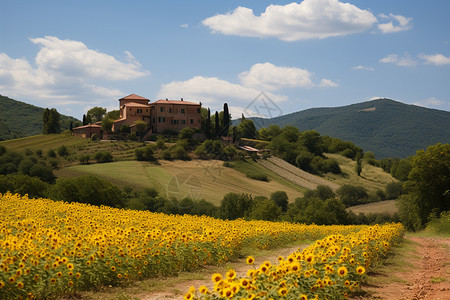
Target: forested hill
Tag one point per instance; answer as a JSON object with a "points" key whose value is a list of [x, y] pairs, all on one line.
{"points": [[19, 119], [385, 127]]}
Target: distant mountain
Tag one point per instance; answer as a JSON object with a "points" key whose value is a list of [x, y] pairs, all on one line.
{"points": [[385, 127], [19, 119]]}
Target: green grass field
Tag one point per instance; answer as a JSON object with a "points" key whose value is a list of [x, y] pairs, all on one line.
{"points": [[211, 180], [387, 206]]}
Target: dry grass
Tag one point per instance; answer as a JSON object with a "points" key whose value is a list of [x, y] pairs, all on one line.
{"points": [[387, 206], [372, 178], [213, 179]]}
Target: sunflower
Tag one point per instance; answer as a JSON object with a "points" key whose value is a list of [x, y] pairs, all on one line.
{"points": [[282, 291], [188, 296], [303, 297], [231, 274], [360, 270], [250, 260], [342, 271], [216, 277], [203, 290]]}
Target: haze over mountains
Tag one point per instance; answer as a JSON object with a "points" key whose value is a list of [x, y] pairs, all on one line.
{"points": [[385, 127]]}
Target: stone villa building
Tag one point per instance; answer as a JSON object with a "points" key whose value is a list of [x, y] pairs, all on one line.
{"points": [[160, 115]]}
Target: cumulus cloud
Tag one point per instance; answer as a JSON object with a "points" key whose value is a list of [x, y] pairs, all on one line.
{"points": [[360, 67], [268, 77], [436, 59], [404, 61], [66, 72], [432, 102], [327, 83], [210, 89], [397, 23], [309, 19], [260, 77]]}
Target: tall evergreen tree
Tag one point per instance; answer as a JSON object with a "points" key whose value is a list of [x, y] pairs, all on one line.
{"points": [[226, 119], [84, 120], [51, 121], [208, 124], [217, 127]]}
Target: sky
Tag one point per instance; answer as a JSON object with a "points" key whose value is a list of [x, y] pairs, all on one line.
{"points": [[263, 58]]}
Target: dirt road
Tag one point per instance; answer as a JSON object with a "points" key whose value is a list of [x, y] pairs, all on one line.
{"points": [[426, 275]]}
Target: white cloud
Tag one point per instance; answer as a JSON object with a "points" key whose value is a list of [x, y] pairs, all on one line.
{"points": [[436, 59], [65, 73], [268, 77], [401, 23], [212, 90], [360, 67], [309, 19], [327, 83], [184, 25], [404, 61], [432, 103]]}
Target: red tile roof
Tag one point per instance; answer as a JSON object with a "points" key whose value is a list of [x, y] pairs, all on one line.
{"points": [[134, 104], [133, 97], [87, 126], [175, 102]]}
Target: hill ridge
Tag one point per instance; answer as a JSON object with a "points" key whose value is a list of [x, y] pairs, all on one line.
{"points": [[386, 127]]}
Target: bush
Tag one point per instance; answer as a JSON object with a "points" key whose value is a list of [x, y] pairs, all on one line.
{"points": [[51, 153], [257, 176], [266, 210], [8, 168], [94, 137], [103, 156], [84, 158], [179, 152], [352, 195], [24, 184], [166, 154], [42, 172], [281, 199], [160, 143], [394, 190], [25, 166], [2, 150], [145, 154], [132, 137], [62, 151], [87, 189]]}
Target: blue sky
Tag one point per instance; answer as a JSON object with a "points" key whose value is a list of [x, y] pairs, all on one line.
{"points": [[74, 55]]}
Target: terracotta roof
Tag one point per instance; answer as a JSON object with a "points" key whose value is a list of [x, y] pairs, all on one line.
{"points": [[175, 102], [134, 104], [87, 126], [118, 120], [133, 97]]}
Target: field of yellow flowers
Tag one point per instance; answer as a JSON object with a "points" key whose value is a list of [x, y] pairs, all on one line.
{"points": [[330, 268], [49, 248]]}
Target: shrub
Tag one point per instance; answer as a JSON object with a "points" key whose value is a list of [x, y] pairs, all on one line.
{"points": [[94, 137], [145, 154], [132, 137], [394, 190], [62, 151], [352, 195], [84, 158], [166, 154], [51, 153], [87, 189], [160, 143], [103, 156], [281, 199], [24, 184], [179, 152], [25, 166], [2, 150], [266, 210], [257, 176], [42, 172]]}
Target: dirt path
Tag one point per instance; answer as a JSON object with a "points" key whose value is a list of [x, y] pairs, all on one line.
{"points": [[176, 289], [425, 275]]}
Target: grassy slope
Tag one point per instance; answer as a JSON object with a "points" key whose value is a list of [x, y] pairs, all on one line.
{"points": [[387, 206], [213, 179], [372, 178]]}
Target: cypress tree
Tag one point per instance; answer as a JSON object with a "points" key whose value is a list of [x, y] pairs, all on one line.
{"points": [[208, 124], [226, 119], [217, 124]]}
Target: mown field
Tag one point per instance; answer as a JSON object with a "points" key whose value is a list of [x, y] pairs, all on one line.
{"points": [[49, 249], [209, 180]]}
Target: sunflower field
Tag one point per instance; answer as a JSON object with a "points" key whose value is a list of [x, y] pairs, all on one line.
{"points": [[330, 268], [50, 248]]}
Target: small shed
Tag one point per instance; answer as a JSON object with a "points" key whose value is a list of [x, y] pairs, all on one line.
{"points": [[87, 131], [249, 150]]}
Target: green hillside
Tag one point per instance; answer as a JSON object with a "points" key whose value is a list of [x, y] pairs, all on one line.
{"points": [[19, 119], [385, 127]]}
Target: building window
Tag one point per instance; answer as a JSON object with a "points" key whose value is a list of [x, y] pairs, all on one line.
{"points": [[198, 110], [139, 111], [175, 122], [161, 109], [161, 120], [182, 110], [170, 110], [146, 110], [183, 122], [192, 121]]}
